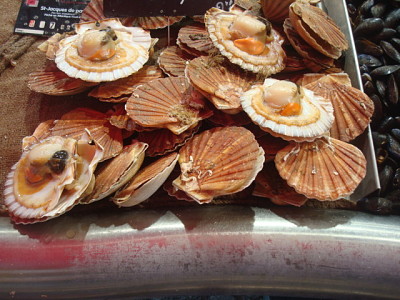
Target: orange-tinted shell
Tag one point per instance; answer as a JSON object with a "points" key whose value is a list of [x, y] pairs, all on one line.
{"points": [[167, 103], [219, 161], [276, 11], [326, 169], [196, 37], [172, 61], [222, 84], [271, 145]]}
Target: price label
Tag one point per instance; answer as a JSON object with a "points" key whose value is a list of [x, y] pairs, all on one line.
{"points": [[147, 8]]}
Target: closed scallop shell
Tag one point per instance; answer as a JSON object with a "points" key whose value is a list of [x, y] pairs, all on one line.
{"points": [[352, 108], [326, 169], [167, 103], [270, 185], [314, 120], [276, 11], [217, 23], [115, 173], [172, 61], [196, 37], [146, 182], [342, 78], [317, 29], [219, 161], [222, 83], [158, 22], [125, 86]]}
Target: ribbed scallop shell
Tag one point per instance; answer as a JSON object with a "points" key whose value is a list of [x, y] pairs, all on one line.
{"points": [[220, 118], [94, 12], [172, 61], [342, 78], [167, 103], [146, 182], [306, 51], [353, 109], [271, 145], [222, 84], [219, 161], [276, 11], [125, 86], [326, 169], [158, 22], [217, 21], [317, 29], [270, 185], [113, 174], [196, 37], [56, 83], [314, 121]]}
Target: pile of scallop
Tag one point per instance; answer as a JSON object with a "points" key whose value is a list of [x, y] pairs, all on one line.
{"points": [[238, 101]]}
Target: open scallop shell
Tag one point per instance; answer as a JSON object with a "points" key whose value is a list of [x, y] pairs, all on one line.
{"points": [[326, 169], [196, 37], [315, 119], [317, 29], [317, 61], [219, 161], [353, 109], [146, 182], [270, 185], [115, 173], [162, 141], [125, 86], [172, 61], [167, 103], [217, 23], [222, 84]]}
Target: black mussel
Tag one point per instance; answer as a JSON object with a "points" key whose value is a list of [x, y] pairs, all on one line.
{"points": [[396, 179], [395, 43], [394, 196], [392, 90], [398, 29], [377, 205], [363, 69], [378, 111], [387, 124], [395, 132], [390, 51], [381, 87], [366, 6], [380, 140], [385, 70], [369, 27], [385, 177], [365, 77], [378, 10], [393, 148], [369, 60], [392, 19], [381, 156], [385, 34], [367, 47], [352, 10], [369, 88]]}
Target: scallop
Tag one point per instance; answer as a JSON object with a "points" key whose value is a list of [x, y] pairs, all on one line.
{"points": [[246, 40], [146, 182], [172, 61], [219, 161], [276, 11], [287, 110], [222, 83], [158, 22], [326, 169], [318, 29], [167, 103], [196, 37]]}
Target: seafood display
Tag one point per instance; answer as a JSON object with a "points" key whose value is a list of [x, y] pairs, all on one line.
{"points": [[242, 104]]}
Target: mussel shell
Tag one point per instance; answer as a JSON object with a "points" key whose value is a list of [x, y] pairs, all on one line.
{"points": [[378, 111], [381, 87], [387, 124], [393, 148], [381, 157], [395, 132], [392, 90], [369, 60], [392, 19], [385, 34], [365, 77], [385, 70], [390, 51], [386, 177], [364, 69], [369, 88], [367, 47], [396, 179], [395, 42], [379, 139], [366, 6], [378, 10], [368, 27], [377, 205]]}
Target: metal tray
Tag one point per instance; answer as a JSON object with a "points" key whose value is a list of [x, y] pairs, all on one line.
{"points": [[208, 250]]}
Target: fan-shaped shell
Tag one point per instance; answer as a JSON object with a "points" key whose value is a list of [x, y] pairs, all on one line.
{"points": [[270, 185], [167, 103], [219, 161], [326, 169], [218, 22], [158, 22], [222, 84], [306, 51], [317, 29], [352, 108], [313, 121], [271, 145], [146, 182], [342, 78], [172, 61], [115, 173], [125, 86], [162, 141], [196, 37]]}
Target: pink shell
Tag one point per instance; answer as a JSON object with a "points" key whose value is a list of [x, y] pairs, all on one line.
{"points": [[196, 37], [173, 60]]}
